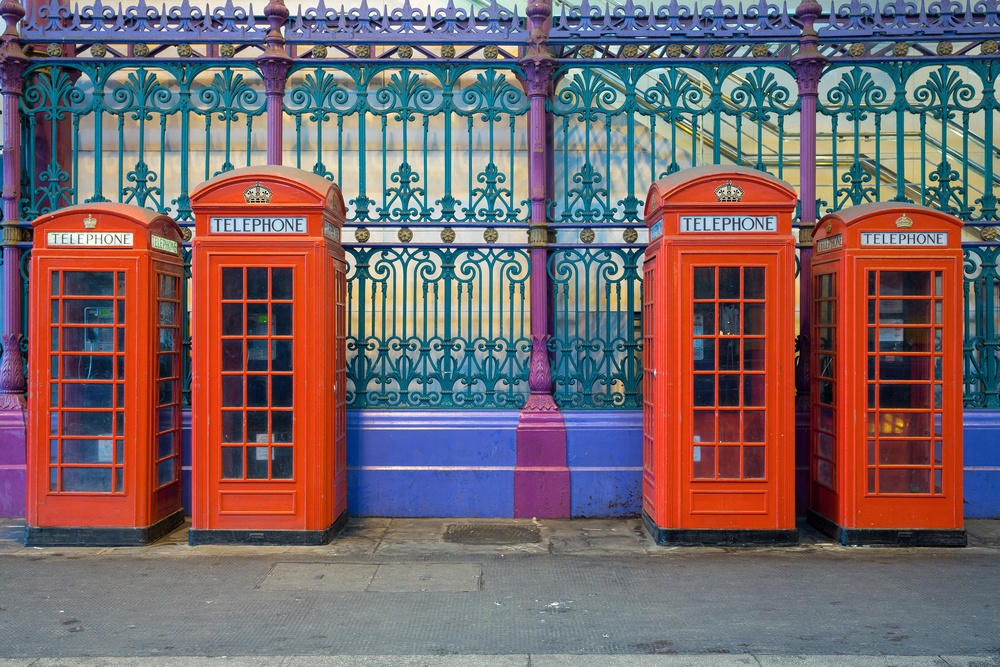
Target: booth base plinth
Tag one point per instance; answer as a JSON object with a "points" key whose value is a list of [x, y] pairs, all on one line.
{"points": [[89, 536], [886, 537], [250, 537], [678, 537]]}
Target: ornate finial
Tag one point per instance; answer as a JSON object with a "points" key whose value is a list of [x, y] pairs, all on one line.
{"points": [[829, 227], [257, 194], [904, 222], [90, 222], [729, 192]]}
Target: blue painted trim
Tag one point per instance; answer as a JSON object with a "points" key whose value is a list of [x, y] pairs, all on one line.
{"points": [[981, 448]]}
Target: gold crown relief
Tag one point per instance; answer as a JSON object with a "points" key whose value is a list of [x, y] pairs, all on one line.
{"points": [[729, 192], [904, 222], [90, 222], [257, 194]]}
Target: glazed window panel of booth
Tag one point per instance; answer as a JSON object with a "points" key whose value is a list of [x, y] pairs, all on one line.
{"points": [[729, 364], [904, 382], [87, 391], [257, 382], [168, 381], [824, 384]]}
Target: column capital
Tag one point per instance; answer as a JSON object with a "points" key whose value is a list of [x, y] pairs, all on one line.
{"points": [[274, 63], [808, 62], [538, 68]]}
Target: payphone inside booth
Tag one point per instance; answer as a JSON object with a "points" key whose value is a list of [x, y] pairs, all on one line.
{"points": [[105, 387], [887, 397], [718, 318], [269, 369]]}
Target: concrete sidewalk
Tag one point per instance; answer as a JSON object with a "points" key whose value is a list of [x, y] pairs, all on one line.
{"points": [[395, 592]]}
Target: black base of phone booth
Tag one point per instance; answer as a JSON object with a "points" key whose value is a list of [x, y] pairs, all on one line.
{"points": [[63, 536], [672, 537], [886, 537], [268, 537]]}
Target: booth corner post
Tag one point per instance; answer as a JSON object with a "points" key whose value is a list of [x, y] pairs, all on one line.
{"points": [[104, 406], [269, 359], [718, 372], [886, 446]]}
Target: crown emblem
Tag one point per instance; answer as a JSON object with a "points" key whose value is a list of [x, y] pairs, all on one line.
{"points": [[90, 222], [829, 226], [257, 194], [904, 222], [729, 192]]}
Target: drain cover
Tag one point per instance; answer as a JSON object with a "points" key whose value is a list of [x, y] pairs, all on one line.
{"points": [[490, 533]]}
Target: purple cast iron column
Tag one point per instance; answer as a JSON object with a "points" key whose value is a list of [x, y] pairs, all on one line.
{"points": [[541, 478], [12, 387], [808, 64], [274, 64]]}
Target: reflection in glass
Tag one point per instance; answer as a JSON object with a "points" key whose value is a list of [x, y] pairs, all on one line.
{"points": [[905, 283], [704, 282], [232, 285], [753, 426], [232, 391], [232, 463], [753, 463], [87, 395], [165, 472], [904, 480], [704, 426], [281, 462], [232, 355], [824, 472], [232, 319], [232, 426], [729, 425], [87, 423], [86, 479], [88, 283], [904, 311], [704, 462], [904, 452], [753, 282], [753, 390], [87, 451], [729, 462], [824, 445], [753, 354]]}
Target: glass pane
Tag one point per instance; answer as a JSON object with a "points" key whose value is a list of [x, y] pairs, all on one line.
{"points": [[232, 463], [281, 322], [937, 452], [281, 426], [729, 282], [281, 391], [824, 472], [912, 396], [704, 390], [937, 425], [256, 462], [167, 340], [904, 452], [232, 285], [729, 390], [753, 319], [54, 347], [257, 427], [871, 283], [937, 340], [256, 355], [937, 396], [257, 391], [704, 283], [753, 282], [88, 423], [54, 423], [898, 339], [824, 445], [120, 363], [257, 283], [281, 463], [826, 338], [825, 391], [704, 426], [871, 311], [121, 283], [168, 286], [232, 355], [904, 311], [121, 340], [753, 354], [704, 462], [281, 358], [904, 368], [826, 419], [826, 286], [87, 451], [55, 283], [905, 283], [753, 463], [729, 462], [121, 311], [53, 451], [937, 283], [729, 425], [232, 426], [826, 365], [871, 340], [871, 480], [729, 319], [86, 479], [753, 391], [872, 459], [826, 311], [87, 395], [704, 319], [729, 354], [88, 283], [53, 477], [119, 451], [937, 368], [232, 391], [232, 319], [165, 472], [937, 312], [88, 311], [55, 312], [753, 426], [905, 424], [281, 287], [937, 481], [256, 319], [904, 480], [167, 313], [166, 391], [120, 398], [871, 397]]}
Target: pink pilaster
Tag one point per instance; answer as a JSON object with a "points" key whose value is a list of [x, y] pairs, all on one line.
{"points": [[12, 385], [541, 478], [274, 64], [808, 64]]}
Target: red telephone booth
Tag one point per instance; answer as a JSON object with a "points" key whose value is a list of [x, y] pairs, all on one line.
{"points": [[887, 377], [269, 367], [104, 399], [718, 346]]}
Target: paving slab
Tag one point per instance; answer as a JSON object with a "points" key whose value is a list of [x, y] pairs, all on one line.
{"points": [[340, 577], [851, 661], [427, 577]]}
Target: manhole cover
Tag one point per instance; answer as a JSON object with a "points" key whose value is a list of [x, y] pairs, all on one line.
{"points": [[491, 534]]}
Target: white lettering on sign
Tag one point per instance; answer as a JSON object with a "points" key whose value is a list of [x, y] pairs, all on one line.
{"points": [[257, 225], [93, 239], [655, 230], [830, 243], [166, 245], [724, 224], [905, 238]]}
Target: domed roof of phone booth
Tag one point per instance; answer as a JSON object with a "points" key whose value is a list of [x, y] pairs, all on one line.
{"points": [[228, 188], [142, 217], [855, 214], [697, 186]]}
